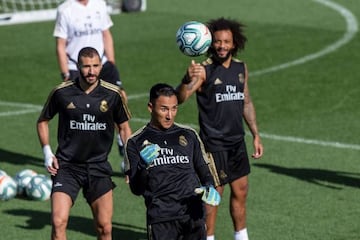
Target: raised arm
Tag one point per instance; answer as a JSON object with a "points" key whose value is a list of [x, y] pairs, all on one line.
{"points": [[191, 82]]}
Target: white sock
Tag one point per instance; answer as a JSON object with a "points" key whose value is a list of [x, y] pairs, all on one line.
{"points": [[212, 237], [241, 235]]}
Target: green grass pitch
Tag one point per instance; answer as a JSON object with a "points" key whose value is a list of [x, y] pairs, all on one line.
{"points": [[303, 58]]}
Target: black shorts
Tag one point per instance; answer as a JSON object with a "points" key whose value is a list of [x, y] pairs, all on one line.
{"points": [[109, 73], [70, 180], [230, 164], [187, 229]]}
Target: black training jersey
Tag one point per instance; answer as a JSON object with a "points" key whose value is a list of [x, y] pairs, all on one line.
{"points": [[220, 103], [86, 121], [168, 184]]}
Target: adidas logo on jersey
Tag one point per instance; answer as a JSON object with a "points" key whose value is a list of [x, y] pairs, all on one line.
{"points": [[70, 106], [217, 81]]}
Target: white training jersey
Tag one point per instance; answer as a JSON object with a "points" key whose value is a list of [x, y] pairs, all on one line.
{"points": [[82, 26]]}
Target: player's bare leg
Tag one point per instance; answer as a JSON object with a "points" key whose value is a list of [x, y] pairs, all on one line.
{"points": [[211, 212], [102, 209], [239, 190], [60, 209]]}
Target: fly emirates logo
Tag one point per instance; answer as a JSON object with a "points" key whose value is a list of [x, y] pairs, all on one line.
{"points": [[166, 156], [88, 124], [230, 95]]}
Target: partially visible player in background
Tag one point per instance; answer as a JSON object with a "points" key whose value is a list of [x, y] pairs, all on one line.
{"points": [[167, 165], [86, 23], [88, 109], [223, 99]]}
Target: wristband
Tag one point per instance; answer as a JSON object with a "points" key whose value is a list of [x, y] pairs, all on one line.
{"points": [[47, 151], [48, 155]]}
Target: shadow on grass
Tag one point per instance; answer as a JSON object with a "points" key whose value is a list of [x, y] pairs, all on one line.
{"points": [[325, 178], [38, 220], [19, 159]]}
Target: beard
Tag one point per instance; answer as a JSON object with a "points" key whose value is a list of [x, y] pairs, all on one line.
{"points": [[84, 78], [219, 59]]}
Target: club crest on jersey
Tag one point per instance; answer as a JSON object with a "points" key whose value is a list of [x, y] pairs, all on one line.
{"points": [[104, 106], [241, 78], [182, 141]]}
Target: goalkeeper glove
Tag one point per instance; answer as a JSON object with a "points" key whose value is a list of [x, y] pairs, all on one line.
{"points": [[149, 153], [209, 195]]}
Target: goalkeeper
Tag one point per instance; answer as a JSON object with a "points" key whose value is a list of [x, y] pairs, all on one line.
{"points": [[167, 165]]}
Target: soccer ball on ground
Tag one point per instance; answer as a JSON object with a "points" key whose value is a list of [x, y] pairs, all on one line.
{"points": [[22, 179], [8, 187], [193, 38], [39, 188]]}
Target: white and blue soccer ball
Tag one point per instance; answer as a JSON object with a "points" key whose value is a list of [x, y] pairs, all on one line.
{"points": [[8, 187], [23, 178], [39, 188], [193, 38]]}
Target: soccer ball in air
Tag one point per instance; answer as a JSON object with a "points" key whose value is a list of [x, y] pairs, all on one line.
{"points": [[193, 38], [8, 187], [39, 188], [22, 179]]}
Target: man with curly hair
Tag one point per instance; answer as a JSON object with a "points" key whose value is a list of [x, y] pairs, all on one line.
{"points": [[223, 99]]}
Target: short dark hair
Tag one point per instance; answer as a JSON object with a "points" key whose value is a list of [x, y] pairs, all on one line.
{"points": [[237, 29], [161, 89], [87, 52]]}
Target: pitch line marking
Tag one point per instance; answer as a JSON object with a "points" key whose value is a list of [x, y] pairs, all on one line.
{"points": [[310, 141], [137, 96], [32, 108], [24, 108], [351, 30], [284, 138]]}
